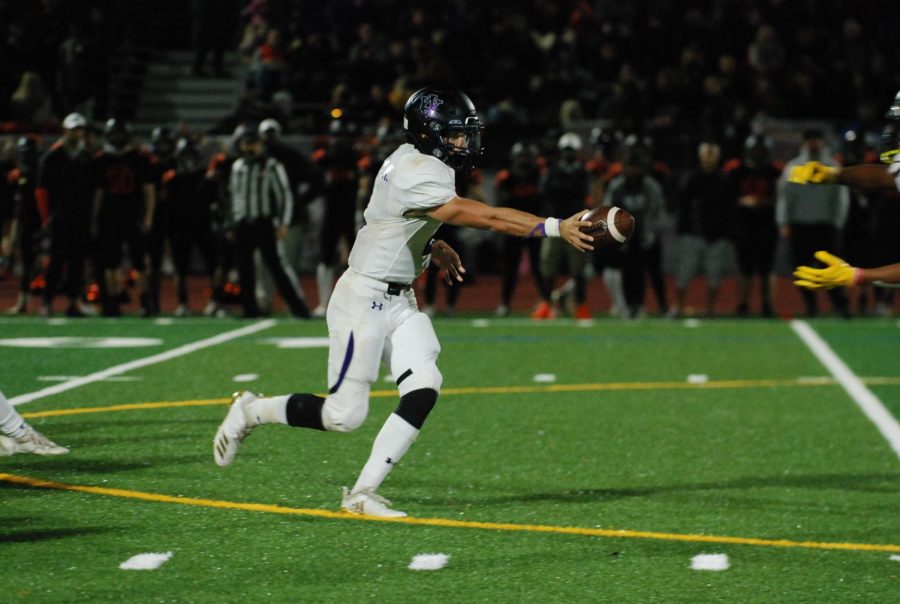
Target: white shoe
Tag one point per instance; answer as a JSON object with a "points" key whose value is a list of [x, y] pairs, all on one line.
{"points": [[233, 429], [212, 309], [30, 442], [182, 311], [318, 312], [368, 503], [502, 311]]}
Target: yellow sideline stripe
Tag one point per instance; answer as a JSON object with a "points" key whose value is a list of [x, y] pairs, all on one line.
{"points": [[447, 523], [614, 386]]}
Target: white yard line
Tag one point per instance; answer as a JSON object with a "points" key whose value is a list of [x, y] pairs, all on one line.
{"points": [[873, 408], [138, 363]]}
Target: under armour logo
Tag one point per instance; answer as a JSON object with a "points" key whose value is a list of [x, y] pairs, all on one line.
{"points": [[389, 461], [377, 305], [429, 104]]}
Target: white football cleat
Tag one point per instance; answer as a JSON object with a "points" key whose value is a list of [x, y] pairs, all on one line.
{"points": [[233, 429], [30, 442], [318, 312], [368, 503]]}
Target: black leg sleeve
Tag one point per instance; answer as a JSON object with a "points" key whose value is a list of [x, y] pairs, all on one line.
{"points": [[415, 406], [305, 411]]}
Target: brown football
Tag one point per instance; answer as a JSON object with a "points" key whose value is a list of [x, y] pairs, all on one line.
{"points": [[610, 226]]}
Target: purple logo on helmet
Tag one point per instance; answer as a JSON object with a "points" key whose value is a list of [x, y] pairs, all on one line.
{"points": [[429, 104]]}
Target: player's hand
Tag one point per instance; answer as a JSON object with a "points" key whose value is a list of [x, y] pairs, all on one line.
{"points": [[837, 273], [813, 173], [446, 259], [570, 231], [280, 232]]}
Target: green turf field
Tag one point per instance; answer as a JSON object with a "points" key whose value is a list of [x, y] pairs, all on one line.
{"points": [[599, 486]]}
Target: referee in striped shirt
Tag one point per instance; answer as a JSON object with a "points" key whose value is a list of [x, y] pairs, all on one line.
{"points": [[261, 209]]}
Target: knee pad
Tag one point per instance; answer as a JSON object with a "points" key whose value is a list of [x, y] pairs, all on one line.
{"points": [[424, 376], [346, 409], [415, 406]]}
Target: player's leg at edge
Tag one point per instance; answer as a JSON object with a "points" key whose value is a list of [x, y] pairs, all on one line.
{"points": [[17, 436], [248, 410]]}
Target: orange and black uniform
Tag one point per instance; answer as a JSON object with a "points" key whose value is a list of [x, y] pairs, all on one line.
{"points": [[190, 222], [158, 165], [65, 193], [519, 187], [755, 231], [342, 167], [122, 177], [23, 184]]}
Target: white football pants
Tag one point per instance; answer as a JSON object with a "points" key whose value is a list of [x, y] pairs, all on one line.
{"points": [[367, 327]]}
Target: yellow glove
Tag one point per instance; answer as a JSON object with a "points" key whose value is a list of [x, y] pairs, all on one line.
{"points": [[836, 273], [814, 173]]}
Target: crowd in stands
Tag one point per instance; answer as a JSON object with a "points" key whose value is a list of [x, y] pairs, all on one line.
{"points": [[677, 71], [674, 92]]}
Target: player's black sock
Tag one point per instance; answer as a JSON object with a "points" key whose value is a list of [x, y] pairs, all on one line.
{"points": [[415, 406], [305, 411]]}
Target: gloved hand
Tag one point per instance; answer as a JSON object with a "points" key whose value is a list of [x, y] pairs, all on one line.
{"points": [[814, 173], [836, 273]]}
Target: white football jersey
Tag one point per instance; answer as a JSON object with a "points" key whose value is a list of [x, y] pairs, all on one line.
{"points": [[391, 246]]}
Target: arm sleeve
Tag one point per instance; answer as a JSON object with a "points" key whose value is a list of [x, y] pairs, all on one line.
{"points": [[425, 184]]}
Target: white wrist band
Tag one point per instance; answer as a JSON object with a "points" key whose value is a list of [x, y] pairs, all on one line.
{"points": [[551, 227]]}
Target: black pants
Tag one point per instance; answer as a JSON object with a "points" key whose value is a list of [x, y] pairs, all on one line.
{"points": [[252, 235], [68, 249], [806, 240], [512, 256], [25, 237], [184, 237]]}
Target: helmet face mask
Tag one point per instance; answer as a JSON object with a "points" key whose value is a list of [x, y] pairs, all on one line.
{"points": [[445, 125]]}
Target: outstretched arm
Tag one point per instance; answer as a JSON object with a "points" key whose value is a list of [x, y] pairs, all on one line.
{"points": [[461, 211], [837, 273], [862, 176]]}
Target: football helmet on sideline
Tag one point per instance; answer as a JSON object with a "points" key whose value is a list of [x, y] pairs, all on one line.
{"points": [[431, 117]]}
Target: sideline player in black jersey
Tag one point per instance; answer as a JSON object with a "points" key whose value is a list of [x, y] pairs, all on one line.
{"points": [[123, 212]]}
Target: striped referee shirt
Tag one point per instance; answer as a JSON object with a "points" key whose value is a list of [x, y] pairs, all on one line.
{"points": [[259, 189]]}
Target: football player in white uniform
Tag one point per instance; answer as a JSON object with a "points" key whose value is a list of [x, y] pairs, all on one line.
{"points": [[372, 316], [837, 272]]}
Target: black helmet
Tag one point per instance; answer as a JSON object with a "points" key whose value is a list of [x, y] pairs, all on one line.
{"points": [[890, 136], [430, 116], [162, 141], [117, 132]]}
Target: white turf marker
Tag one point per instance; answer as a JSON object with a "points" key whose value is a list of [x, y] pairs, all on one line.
{"points": [[244, 377], [870, 405], [429, 561], [138, 363], [710, 562], [895, 557], [66, 378], [697, 378], [544, 378], [150, 561]]}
